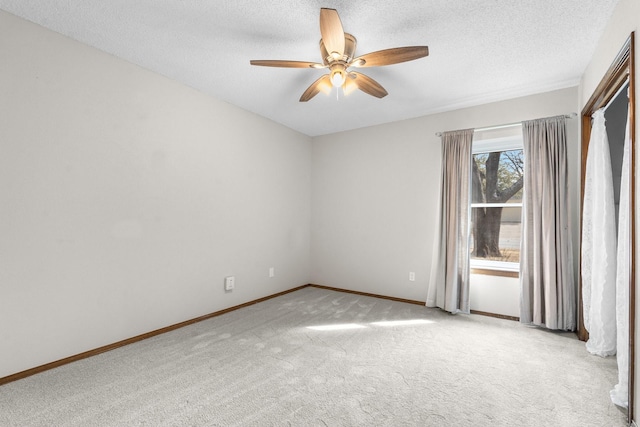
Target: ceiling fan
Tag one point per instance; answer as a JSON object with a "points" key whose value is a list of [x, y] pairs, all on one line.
{"points": [[337, 49]]}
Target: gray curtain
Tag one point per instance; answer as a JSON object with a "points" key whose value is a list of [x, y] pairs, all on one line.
{"points": [[449, 285], [548, 293]]}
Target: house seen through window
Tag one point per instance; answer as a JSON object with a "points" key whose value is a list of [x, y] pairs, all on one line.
{"points": [[496, 199]]}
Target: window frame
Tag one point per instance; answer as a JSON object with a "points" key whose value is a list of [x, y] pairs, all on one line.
{"points": [[484, 146]]}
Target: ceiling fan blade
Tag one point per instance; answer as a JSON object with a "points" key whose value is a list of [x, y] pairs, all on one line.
{"points": [[390, 56], [332, 32], [286, 64], [323, 84], [366, 84]]}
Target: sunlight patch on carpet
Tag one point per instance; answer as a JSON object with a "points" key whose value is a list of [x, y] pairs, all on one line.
{"points": [[403, 322], [345, 326], [339, 327]]}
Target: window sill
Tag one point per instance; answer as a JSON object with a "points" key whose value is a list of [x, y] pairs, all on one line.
{"points": [[495, 272]]}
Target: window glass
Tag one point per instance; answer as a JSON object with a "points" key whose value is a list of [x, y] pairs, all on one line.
{"points": [[496, 200], [497, 177], [506, 225]]}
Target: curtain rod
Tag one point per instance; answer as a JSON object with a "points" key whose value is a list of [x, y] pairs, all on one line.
{"points": [[508, 125]]}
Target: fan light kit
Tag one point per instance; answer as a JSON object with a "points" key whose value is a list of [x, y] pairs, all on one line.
{"points": [[337, 49]]}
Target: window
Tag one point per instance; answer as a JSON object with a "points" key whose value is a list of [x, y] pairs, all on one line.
{"points": [[496, 200]]}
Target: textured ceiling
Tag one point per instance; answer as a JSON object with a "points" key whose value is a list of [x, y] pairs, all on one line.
{"points": [[479, 50]]}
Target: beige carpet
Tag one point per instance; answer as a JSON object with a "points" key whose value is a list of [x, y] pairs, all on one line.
{"points": [[264, 365]]}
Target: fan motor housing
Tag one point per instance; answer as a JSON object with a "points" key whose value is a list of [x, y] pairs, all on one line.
{"points": [[350, 43]]}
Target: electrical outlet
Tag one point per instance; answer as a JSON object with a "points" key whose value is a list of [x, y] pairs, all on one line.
{"points": [[412, 276], [229, 283], [272, 272]]}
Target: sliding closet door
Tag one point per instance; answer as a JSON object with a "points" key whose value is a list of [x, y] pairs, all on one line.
{"points": [[614, 84]]}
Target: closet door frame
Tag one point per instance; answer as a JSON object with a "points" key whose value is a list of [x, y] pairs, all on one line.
{"points": [[620, 72]]}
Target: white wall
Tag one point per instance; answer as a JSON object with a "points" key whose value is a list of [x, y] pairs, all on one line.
{"points": [[624, 20], [495, 294], [375, 190], [125, 198]]}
